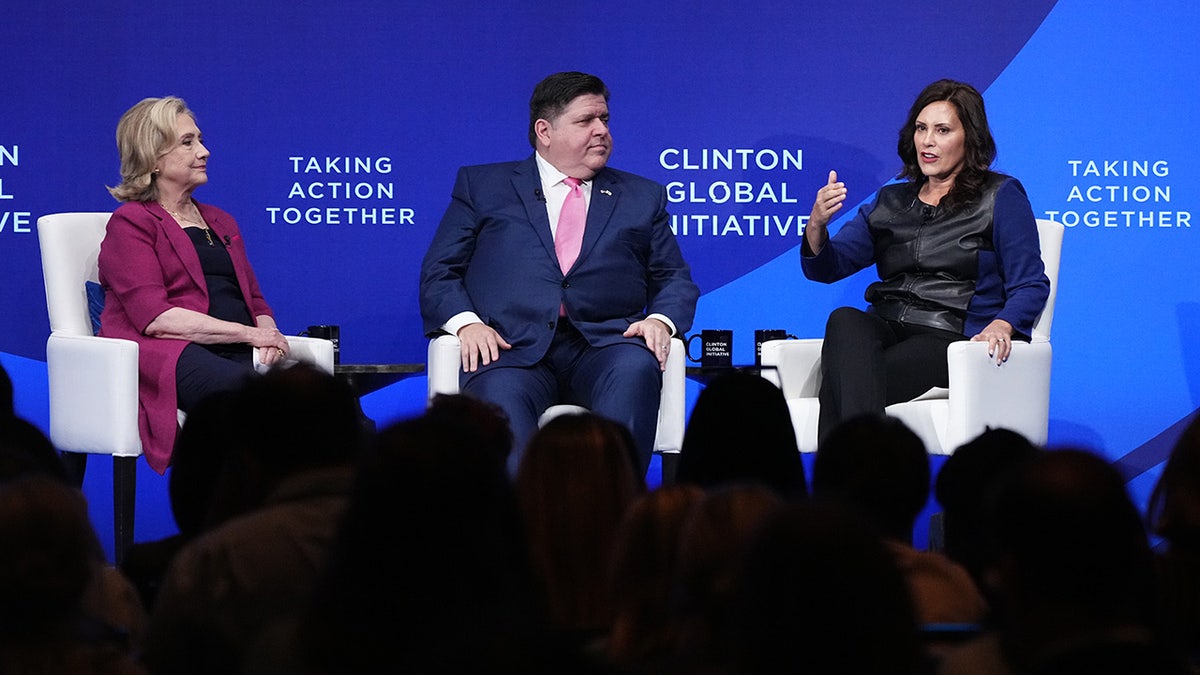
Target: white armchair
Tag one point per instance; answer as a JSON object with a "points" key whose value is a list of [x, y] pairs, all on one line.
{"points": [[1015, 395], [93, 381], [445, 366]]}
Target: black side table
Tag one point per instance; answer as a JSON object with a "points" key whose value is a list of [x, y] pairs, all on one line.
{"points": [[365, 378], [705, 375]]}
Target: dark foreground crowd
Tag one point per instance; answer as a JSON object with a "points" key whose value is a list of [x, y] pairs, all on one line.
{"points": [[308, 545]]}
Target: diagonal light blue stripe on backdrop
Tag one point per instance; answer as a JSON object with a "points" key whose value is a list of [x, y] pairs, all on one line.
{"points": [[1113, 82]]}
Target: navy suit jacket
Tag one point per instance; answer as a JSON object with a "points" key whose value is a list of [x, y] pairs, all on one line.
{"points": [[493, 254]]}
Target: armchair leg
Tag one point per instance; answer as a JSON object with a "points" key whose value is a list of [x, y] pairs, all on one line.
{"points": [[76, 464], [124, 491], [937, 532], [670, 460]]}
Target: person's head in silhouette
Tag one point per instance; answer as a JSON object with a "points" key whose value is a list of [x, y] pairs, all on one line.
{"points": [[645, 563], [486, 420], [878, 465], [1174, 511], [741, 431], [25, 450], [575, 481], [966, 487], [712, 542], [1073, 574], [819, 592], [288, 421], [430, 569], [50, 564]]}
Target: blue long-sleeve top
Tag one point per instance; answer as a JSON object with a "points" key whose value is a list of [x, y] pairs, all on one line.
{"points": [[1011, 282]]}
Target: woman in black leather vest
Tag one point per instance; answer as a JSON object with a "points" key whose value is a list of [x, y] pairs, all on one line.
{"points": [[956, 249]]}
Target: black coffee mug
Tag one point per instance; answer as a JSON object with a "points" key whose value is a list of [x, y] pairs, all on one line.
{"points": [[327, 332], [761, 336], [716, 348]]}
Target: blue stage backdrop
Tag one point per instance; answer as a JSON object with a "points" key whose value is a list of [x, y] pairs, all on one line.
{"points": [[336, 129]]}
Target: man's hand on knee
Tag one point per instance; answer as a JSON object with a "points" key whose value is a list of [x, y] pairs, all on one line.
{"points": [[657, 336], [480, 345]]}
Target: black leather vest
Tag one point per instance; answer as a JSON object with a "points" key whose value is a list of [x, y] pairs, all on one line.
{"points": [[927, 259]]}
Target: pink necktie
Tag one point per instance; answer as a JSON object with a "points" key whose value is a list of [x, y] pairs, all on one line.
{"points": [[568, 236]]}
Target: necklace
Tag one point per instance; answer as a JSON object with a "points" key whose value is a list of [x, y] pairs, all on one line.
{"points": [[198, 220]]}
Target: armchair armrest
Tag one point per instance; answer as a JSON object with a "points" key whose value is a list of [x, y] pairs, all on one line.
{"points": [[796, 366], [1014, 395], [445, 365], [93, 387], [315, 351], [672, 408]]}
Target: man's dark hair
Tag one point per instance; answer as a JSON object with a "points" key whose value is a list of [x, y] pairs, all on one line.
{"points": [[552, 95]]}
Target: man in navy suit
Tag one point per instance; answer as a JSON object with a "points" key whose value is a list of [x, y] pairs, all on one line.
{"points": [[533, 336]]}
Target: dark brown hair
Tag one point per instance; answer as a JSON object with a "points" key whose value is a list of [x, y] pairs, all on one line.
{"points": [[979, 147]]}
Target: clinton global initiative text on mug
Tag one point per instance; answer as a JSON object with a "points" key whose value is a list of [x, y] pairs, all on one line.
{"points": [[716, 348]]}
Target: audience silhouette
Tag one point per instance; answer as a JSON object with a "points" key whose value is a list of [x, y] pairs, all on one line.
{"points": [[24, 448], [1072, 578], [877, 465], [430, 571], [296, 439], [818, 592], [63, 608], [575, 481], [712, 541], [740, 431], [1174, 515], [51, 585], [966, 488], [305, 547], [202, 448], [645, 562]]}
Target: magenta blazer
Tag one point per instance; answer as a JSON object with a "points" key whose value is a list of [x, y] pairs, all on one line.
{"points": [[147, 266]]}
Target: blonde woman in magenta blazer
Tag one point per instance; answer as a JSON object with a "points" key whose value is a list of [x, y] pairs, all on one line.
{"points": [[193, 338]]}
